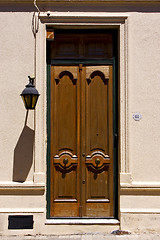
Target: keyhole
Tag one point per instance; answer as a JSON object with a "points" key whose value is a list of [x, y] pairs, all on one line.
{"points": [[65, 161], [97, 161]]}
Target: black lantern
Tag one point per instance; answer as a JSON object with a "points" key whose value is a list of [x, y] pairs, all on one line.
{"points": [[30, 94]]}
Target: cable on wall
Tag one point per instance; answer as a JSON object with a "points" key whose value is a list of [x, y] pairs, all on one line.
{"points": [[35, 20], [35, 29]]}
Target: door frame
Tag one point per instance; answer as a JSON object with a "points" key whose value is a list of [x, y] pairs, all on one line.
{"points": [[112, 62]]}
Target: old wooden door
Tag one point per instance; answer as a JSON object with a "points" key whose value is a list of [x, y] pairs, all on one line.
{"points": [[81, 141]]}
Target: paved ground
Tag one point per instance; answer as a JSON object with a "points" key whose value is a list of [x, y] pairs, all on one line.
{"points": [[87, 237]]}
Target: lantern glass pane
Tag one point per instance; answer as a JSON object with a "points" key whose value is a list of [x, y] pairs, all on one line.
{"points": [[23, 100], [34, 100], [28, 100]]}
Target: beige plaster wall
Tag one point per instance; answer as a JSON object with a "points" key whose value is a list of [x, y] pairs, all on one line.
{"points": [[16, 63], [142, 77], [144, 97], [140, 204]]}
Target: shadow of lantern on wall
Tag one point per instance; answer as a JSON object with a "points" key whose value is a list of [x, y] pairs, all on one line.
{"points": [[30, 94]]}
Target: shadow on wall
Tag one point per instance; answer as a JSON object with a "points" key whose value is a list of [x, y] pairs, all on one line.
{"points": [[23, 154]]}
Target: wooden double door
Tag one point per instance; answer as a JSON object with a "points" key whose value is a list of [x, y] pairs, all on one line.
{"points": [[81, 182]]}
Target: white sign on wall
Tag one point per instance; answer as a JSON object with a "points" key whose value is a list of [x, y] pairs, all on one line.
{"points": [[137, 116]]}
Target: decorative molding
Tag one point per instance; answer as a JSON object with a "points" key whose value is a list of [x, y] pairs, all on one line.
{"points": [[141, 185], [64, 73], [140, 210], [145, 188], [126, 110], [100, 20], [65, 162], [78, 18], [97, 162], [22, 210], [97, 73], [40, 146], [10, 186], [123, 123], [103, 20]]}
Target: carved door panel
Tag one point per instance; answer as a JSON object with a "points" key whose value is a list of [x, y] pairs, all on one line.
{"points": [[65, 141], [98, 187], [81, 141]]}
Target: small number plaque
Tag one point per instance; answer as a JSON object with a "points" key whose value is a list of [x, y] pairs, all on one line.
{"points": [[137, 116]]}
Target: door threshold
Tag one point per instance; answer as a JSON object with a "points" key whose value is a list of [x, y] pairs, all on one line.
{"points": [[82, 221]]}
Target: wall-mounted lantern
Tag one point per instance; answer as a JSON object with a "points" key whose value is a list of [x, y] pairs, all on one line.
{"points": [[30, 94]]}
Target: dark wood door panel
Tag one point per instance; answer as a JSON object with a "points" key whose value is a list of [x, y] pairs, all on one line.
{"points": [[97, 108], [99, 141], [81, 141], [82, 46], [65, 104], [65, 141]]}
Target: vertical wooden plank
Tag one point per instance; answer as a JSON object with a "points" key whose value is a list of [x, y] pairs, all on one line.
{"points": [[79, 142], [65, 141], [53, 137], [99, 141], [111, 143], [83, 138]]}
